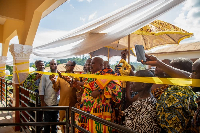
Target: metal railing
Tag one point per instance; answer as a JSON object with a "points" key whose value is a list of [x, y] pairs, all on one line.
{"points": [[7, 101], [6, 93], [24, 110], [67, 123], [3, 98], [25, 115], [36, 124], [96, 119], [9, 93]]}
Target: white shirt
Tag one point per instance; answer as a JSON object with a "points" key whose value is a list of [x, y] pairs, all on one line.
{"points": [[46, 88]]}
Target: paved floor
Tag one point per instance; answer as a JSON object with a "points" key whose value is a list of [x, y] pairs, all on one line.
{"points": [[5, 117]]}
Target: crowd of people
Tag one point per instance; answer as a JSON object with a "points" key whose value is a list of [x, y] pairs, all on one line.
{"points": [[148, 108]]}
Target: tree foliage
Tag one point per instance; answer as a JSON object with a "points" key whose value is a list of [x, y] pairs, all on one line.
{"points": [[33, 65], [79, 61], [10, 68]]}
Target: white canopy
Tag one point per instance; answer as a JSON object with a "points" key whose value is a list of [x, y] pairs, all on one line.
{"points": [[107, 29]]}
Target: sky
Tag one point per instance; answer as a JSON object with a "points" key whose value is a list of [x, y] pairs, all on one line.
{"points": [[75, 13]]}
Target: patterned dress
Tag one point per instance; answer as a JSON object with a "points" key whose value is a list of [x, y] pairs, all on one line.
{"points": [[158, 91], [110, 92], [175, 109], [86, 104], [141, 116], [32, 84]]}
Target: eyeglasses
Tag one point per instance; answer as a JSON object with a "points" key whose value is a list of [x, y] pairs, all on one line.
{"points": [[69, 65]]}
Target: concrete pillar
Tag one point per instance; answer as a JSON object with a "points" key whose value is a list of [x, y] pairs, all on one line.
{"points": [[2, 65], [21, 55], [2, 74]]}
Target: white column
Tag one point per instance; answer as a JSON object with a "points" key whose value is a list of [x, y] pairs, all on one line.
{"points": [[21, 54], [2, 65]]}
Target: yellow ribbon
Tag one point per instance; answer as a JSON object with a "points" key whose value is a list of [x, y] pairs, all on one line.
{"points": [[21, 63], [2, 73], [155, 80], [17, 72], [20, 71], [9, 75]]}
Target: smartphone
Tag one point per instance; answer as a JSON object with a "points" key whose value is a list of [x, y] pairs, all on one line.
{"points": [[139, 49]]}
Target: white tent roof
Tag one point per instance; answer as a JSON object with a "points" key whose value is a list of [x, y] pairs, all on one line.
{"points": [[107, 29]]}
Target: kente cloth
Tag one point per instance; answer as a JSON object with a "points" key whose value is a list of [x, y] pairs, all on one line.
{"points": [[175, 109], [86, 104], [141, 116], [32, 84], [86, 100], [110, 91], [79, 119]]}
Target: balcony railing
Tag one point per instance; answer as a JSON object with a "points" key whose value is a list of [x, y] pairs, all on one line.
{"points": [[6, 92], [25, 116]]}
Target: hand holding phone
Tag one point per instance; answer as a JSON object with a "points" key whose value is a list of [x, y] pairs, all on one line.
{"points": [[139, 49]]}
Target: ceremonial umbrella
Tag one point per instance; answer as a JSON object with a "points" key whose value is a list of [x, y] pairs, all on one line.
{"points": [[155, 34]]}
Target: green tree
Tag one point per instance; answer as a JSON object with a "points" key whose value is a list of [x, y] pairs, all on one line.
{"points": [[33, 66], [47, 65], [58, 62], [139, 66], [79, 61], [10, 68]]}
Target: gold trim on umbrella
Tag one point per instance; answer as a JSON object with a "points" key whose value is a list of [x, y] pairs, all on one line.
{"points": [[159, 27]]}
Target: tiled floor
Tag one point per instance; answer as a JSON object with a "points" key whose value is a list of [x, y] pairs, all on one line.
{"points": [[5, 117]]}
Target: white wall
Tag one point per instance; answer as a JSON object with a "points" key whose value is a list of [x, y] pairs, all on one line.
{"points": [[190, 55]]}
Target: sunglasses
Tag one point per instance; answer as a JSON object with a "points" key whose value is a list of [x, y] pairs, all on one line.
{"points": [[53, 64], [69, 65]]}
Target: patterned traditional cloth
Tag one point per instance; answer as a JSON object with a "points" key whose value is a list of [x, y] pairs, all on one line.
{"points": [[78, 117], [175, 109], [32, 84], [158, 91], [86, 104], [141, 116], [110, 91]]}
